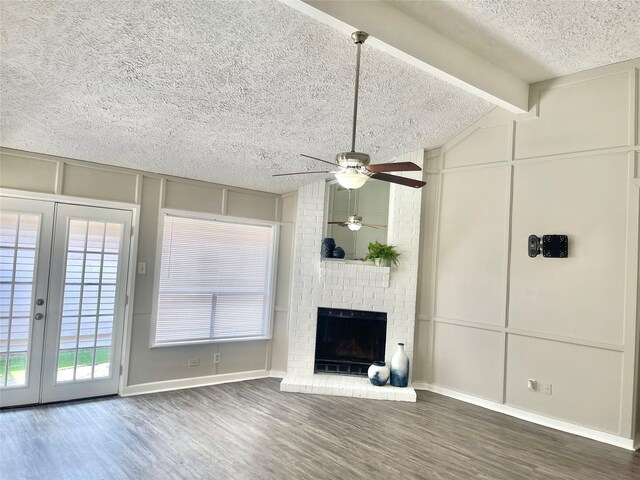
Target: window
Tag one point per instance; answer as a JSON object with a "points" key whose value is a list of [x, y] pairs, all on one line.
{"points": [[215, 281]]}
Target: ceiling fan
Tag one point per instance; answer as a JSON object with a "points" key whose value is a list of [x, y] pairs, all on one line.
{"points": [[354, 168], [354, 222]]}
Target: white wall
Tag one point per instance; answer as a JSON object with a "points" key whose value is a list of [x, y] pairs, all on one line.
{"points": [[490, 317], [63, 178]]}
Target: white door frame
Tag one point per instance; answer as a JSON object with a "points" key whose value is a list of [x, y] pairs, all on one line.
{"points": [[133, 255]]}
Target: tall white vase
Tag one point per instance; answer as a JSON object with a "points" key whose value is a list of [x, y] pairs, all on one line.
{"points": [[400, 368]]}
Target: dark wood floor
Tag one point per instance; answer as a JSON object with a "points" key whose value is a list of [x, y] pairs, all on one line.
{"points": [[250, 430]]}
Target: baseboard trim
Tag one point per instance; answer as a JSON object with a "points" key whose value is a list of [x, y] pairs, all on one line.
{"points": [[182, 383], [277, 374], [538, 419]]}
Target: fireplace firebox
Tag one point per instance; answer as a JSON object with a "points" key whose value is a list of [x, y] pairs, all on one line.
{"points": [[348, 341]]}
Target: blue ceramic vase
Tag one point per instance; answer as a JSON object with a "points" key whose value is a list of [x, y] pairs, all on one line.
{"points": [[378, 374], [338, 252], [400, 368], [328, 245]]}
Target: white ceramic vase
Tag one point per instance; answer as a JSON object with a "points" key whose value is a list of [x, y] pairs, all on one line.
{"points": [[400, 367], [378, 374]]}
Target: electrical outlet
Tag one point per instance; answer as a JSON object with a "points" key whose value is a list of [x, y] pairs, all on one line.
{"points": [[142, 268], [194, 362], [532, 384], [216, 358], [547, 389]]}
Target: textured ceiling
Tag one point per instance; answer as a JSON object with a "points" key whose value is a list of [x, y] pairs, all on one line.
{"points": [[537, 39], [228, 92], [232, 91]]}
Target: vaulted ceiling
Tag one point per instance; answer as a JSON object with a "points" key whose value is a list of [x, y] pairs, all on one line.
{"points": [[232, 91]]}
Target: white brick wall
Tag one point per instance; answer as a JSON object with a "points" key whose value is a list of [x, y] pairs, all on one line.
{"points": [[332, 284]]}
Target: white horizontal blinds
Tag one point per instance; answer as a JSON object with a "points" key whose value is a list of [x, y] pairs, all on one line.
{"points": [[18, 252], [214, 280], [183, 316], [89, 300]]}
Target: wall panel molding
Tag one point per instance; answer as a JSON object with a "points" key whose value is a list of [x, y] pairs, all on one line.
{"points": [[531, 334], [578, 116], [458, 154], [465, 245], [7, 152], [591, 156]]}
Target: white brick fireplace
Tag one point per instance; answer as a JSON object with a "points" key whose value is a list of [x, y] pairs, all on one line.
{"points": [[352, 285]]}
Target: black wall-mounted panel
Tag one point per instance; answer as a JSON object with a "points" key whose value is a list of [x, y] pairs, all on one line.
{"points": [[555, 246]]}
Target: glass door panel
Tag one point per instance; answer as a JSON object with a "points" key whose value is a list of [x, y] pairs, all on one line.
{"points": [[25, 240], [89, 300], [89, 277]]}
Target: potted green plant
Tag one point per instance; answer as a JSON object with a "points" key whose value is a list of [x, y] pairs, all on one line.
{"points": [[382, 255]]}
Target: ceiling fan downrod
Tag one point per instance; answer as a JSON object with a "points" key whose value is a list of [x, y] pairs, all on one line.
{"points": [[354, 168], [358, 38]]}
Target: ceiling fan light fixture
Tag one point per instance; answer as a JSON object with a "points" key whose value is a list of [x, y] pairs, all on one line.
{"points": [[354, 222], [351, 179]]}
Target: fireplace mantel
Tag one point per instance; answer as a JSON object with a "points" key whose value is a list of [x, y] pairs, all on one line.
{"points": [[354, 273]]}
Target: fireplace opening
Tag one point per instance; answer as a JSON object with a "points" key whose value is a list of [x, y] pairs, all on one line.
{"points": [[348, 341]]}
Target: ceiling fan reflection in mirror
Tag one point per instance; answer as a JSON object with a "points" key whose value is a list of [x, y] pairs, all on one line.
{"points": [[354, 168], [354, 222]]}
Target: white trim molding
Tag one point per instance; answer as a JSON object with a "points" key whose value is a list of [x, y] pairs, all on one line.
{"points": [[194, 382], [611, 439]]}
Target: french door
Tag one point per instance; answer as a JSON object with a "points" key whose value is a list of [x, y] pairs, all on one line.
{"points": [[63, 277]]}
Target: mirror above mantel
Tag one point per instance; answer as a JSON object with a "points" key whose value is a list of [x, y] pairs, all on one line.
{"points": [[371, 202]]}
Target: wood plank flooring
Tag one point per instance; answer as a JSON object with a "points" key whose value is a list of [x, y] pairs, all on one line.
{"points": [[250, 430]]}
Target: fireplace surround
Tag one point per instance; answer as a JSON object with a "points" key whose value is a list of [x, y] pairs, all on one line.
{"points": [[343, 284]]}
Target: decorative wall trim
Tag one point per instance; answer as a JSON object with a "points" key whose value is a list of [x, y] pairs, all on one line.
{"points": [[59, 178], [531, 334], [571, 341], [113, 168], [182, 383], [545, 158], [467, 323], [585, 75], [567, 427]]}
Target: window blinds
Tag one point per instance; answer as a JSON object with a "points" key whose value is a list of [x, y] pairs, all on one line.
{"points": [[215, 280]]}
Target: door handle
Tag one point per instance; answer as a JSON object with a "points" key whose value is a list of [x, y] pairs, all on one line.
{"points": [[39, 316]]}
